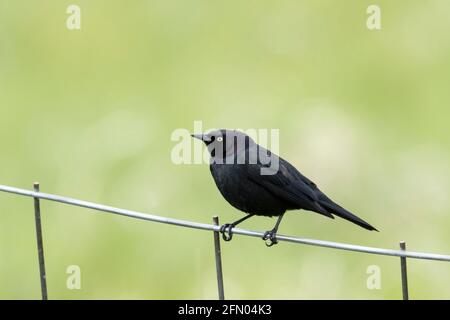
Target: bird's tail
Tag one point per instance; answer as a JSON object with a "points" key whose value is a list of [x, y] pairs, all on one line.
{"points": [[341, 212]]}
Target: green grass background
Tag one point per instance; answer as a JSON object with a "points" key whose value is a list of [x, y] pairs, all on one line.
{"points": [[89, 114]]}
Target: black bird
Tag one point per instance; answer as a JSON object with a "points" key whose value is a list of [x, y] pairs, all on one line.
{"points": [[258, 182]]}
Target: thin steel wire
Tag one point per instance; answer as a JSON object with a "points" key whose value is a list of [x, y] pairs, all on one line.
{"points": [[204, 226]]}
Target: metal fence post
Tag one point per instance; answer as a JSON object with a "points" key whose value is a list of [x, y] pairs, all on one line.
{"points": [[218, 253], [404, 272], [40, 246]]}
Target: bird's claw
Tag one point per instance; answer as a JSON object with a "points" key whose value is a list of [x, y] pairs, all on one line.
{"points": [[227, 231], [270, 237]]}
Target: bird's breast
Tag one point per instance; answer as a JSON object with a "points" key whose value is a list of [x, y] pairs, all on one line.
{"points": [[243, 194]]}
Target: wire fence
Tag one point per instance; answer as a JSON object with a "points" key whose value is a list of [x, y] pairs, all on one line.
{"points": [[215, 228]]}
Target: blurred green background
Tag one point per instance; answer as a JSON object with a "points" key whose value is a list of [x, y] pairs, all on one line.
{"points": [[89, 113]]}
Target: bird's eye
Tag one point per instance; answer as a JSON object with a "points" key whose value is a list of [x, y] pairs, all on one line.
{"points": [[219, 139]]}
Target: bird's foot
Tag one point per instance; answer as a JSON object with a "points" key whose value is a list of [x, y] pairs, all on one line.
{"points": [[270, 237], [227, 231]]}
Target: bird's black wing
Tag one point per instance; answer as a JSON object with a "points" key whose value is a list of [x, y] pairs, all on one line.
{"points": [[288, 184]]}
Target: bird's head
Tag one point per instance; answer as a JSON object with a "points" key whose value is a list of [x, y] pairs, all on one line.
{"points": [[225, 143]]}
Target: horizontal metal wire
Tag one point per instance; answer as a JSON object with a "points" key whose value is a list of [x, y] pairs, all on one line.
{"points": [[204, 226]]}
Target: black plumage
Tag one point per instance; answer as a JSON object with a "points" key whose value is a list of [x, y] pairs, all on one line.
{"points": [[258, 182]]}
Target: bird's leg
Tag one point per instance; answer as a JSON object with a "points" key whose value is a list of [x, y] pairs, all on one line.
{"points": [[226, 229], [272, 234]]}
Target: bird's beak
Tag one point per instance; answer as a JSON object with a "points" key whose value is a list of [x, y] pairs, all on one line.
{"points": [[200, 136]]}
